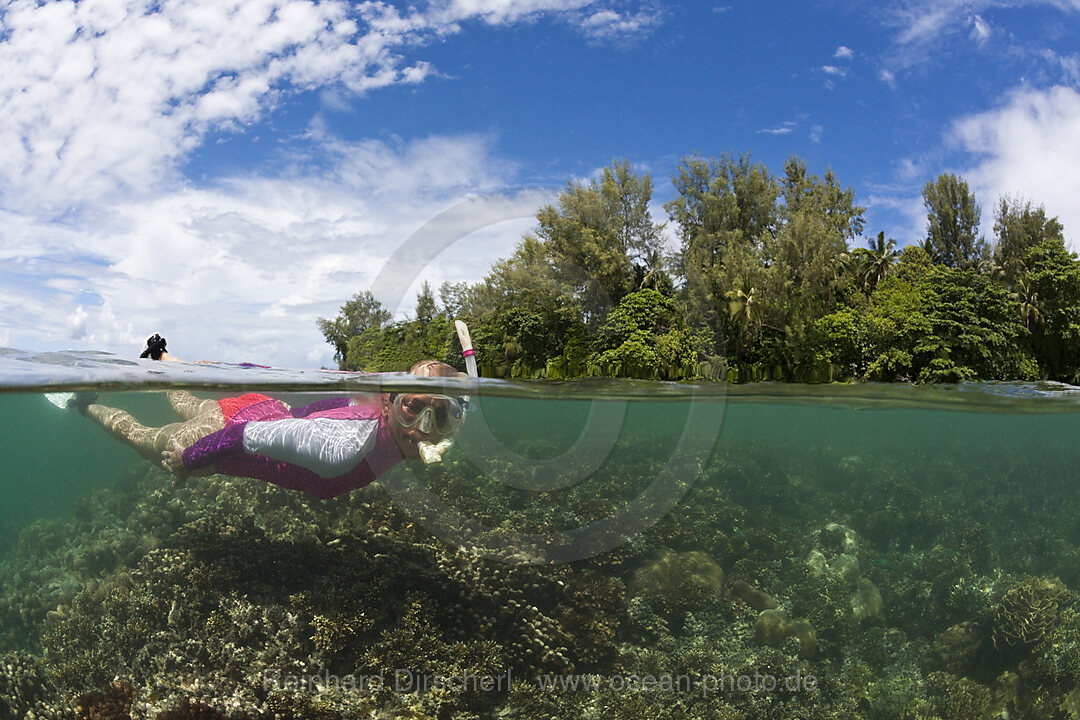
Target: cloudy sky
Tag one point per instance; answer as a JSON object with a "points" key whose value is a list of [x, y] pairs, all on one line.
{"points": [[226, 171]]}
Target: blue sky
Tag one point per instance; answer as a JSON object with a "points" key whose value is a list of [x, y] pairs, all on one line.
{"points": [[226, 171]]}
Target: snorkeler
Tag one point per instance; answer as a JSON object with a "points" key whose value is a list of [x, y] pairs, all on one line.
{"points": [[327, 448]]}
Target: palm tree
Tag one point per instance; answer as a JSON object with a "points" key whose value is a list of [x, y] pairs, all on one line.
{"points": [[651, 274], [1031, 312], [883, 255], [744, 308]]}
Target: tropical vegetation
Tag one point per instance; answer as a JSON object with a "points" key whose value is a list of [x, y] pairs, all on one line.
{"points": [[771, 279]]}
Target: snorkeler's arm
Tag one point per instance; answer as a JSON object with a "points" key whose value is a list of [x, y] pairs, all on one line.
{"points": [[327, 447]]}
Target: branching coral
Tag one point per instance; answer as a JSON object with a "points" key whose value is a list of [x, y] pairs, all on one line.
{"points": [[958, 698], [22, 683]]}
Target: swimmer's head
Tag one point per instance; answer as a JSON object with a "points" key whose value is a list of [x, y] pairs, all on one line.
{"points": [[423, 417]]}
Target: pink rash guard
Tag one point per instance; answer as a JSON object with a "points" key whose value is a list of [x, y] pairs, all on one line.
{"points": [[326, 449]]}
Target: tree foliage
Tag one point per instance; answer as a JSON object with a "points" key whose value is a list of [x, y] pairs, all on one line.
{"points": [[360, 313], [952, 223], [645, 337], [1019, 227], [771, 279], [601, 236]]}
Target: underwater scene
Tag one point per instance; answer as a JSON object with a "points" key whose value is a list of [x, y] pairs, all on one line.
{"points": [[583, 550]]}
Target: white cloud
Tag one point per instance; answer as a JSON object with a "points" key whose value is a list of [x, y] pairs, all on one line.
{"points": [[102, 96], [834, 70], [1067, 65], [898, 212], [102, 238], [110, 96], [844, 53], [242, 270], [1029, 145], [783, 129], [609, 25], [922, 26], [499, 11], [980, 30]]}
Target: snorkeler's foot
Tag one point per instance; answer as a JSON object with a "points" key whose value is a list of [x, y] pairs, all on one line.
{"points": [[155, 346], [82, 400]]}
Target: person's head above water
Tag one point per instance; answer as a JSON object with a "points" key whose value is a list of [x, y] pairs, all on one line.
{"points": [[414, 418]]}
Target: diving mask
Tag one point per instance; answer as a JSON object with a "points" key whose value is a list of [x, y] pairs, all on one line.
{"points": [[441, 414]]}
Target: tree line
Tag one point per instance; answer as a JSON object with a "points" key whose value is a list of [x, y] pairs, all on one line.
{"points": [[767, 283]]}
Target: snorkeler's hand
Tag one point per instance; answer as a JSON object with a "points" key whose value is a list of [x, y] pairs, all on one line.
{"points": [[172, 458]]}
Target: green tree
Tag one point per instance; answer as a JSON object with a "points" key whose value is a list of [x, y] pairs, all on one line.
{"points": [[725, 208], [1051, 293], [975, 330], [398, 346], [599, 234], [941, 325], [426, 310], [914, 263], [952, 223], [457, 298], [808, 264], [834, 347], [645, 337], [891, 330], [745, 310], [822, 197], [527, 317], [879, 260], [1019, 226], [360, 313]]}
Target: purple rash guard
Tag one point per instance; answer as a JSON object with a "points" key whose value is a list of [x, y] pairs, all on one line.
{"points": [[316, 438]]}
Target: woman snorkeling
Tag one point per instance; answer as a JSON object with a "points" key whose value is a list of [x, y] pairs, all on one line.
{"points": [[326, 448]]}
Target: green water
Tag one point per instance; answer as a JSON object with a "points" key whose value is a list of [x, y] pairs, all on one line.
{"points": [[915, 552]]}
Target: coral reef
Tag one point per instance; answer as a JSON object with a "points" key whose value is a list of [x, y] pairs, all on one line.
{"points": [[678, 582], [753, 597], [773, 627], [958, 648], [821, 581], [866, 602], [1027, 611], [22, 683], [191, 710], [112, 703]]}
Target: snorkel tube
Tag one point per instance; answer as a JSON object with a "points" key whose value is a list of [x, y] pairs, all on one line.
{"points": [[467, 351], [431, 453]]}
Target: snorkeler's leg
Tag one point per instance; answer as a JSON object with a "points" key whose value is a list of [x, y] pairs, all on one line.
{"points": [[151, 441], [187, 406], [122, 426]]}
